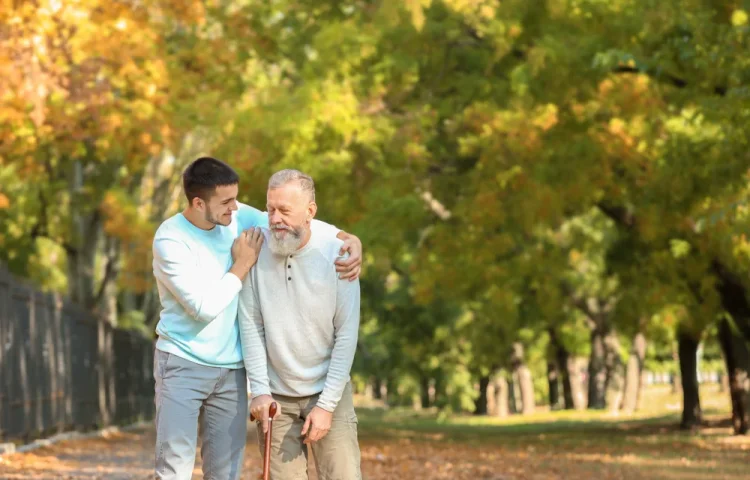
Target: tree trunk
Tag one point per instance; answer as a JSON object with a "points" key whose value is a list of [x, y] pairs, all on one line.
{"points": [[390, 391], [634, 373], [675, 379], [578, 383], [569, 374], [82, 259], [723, 381], [615, 381], [569, 402], [557, 371], [687, 348], [424, 390], [105, 301], [553, 380], [480, 407], [87, 240], [86, 233], [737, 359], [512, 397], [377, 385], [441, 395], [597, 371], [527, 390], [497, 396], [524, 379], [734, 297]]}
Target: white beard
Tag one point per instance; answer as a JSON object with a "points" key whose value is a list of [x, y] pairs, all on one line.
{"points": [[285, 244]]}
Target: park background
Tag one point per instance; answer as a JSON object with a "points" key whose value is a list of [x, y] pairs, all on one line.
{"points": [[552, 196]]}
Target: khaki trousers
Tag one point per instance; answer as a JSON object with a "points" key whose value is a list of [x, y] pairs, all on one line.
{"points": [[336, 455]]}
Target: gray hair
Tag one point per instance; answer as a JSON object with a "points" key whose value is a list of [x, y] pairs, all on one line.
{"points": [[282, 177]]}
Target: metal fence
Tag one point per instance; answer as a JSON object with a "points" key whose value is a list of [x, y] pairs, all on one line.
{"points": [[61, 369]]}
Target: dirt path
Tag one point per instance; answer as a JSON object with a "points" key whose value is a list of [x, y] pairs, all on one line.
{"points": [[118, 456], [405, 455]]}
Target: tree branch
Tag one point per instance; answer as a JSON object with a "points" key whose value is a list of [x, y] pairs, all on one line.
{"points": [[620, 215], [671, 79], [41, 228], [581, 304], [110, 273], [733, 297]]}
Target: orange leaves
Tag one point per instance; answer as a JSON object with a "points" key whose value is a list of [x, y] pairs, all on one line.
{"points": [[4, 202], [629, 104], [188, 11], [546, 117], [90, 71], [125, 221], [119, 216], [490, 449]]}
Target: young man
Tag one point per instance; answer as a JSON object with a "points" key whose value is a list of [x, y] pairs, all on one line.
{"points": [[201, 257], [298, 327]]}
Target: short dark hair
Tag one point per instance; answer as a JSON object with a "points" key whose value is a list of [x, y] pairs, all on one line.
{"points": [[203, 175]]}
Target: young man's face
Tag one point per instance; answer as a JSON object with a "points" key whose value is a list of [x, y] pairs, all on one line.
{"points": [[290, 211], [218, 209]]}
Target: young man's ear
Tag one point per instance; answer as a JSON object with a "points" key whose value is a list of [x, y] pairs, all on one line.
{"points": [[198, 203]]}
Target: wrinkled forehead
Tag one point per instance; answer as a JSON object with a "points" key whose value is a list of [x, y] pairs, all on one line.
{"points": [[290, 194]]}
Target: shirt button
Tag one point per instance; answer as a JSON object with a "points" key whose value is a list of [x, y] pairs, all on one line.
{"points": [[289, 278], [288, 266]]}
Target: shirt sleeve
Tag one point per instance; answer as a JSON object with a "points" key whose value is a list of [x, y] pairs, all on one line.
{"points": [[202, 299], [346, 330], [253, 339], [325, 229], [249, 217]]}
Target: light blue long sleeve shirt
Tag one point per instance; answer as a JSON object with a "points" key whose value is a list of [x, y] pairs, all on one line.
{"points": [[198, 294]]}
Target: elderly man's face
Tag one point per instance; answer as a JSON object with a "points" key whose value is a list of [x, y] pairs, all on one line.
{"points": [[290, 211]]}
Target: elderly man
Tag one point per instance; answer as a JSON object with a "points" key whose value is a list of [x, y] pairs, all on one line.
{"points": [[298, 328], [201, 257]]}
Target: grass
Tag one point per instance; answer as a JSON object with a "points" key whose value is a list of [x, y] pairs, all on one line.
{"points": [[566, 444]]}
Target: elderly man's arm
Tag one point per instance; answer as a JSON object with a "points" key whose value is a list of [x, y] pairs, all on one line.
{"points": [[253, 341], [346, 330]]}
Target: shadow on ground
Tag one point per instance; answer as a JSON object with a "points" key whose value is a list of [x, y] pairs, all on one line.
{"points": [[406, 446]]}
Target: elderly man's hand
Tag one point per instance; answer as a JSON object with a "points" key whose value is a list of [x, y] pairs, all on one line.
{"points": [[259, 408], [317, 425]]}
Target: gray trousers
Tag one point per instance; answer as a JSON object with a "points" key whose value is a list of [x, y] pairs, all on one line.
{"points": [[184, 390]]}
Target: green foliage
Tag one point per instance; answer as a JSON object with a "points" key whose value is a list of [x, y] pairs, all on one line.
{"points": [[509, 166]]}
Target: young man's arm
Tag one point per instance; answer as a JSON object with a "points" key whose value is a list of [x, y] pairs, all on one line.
{"points": [[346, 330], [203, 299], [349, 268], [253, 341]]}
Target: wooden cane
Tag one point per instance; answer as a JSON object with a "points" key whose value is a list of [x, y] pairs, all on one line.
{"points": [[267, 447]]}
